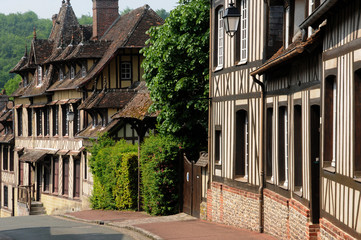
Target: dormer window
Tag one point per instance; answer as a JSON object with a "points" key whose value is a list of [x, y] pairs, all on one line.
{"points": [[83, 71], [126, 70], [40, 75], [25, 81], [61, 75], [72, 72]]}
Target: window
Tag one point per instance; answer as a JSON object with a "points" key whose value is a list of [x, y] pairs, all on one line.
{"points": [[20, 121], [65, 110], [6, 196], [25, 81], [39, 122], [269, 144], [241, 165], [275, 27], [55, 120], [46, 122], [297, 121], [126, 70], [220, 38], [30, 122], [61, 75], [283, 146], [47, 170], [56, 174], [65, 175], [40, 75], [218, 149], [72, 72], [330, 123], [5, 158], [287, 27], [357, 123], [11, 159], [83, 71], [76, 122], [313, 5], [243, 30], [85, 166], [76, 177]]}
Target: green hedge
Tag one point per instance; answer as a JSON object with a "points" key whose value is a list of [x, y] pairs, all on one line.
{"points": [[160, 175], [114, 167]]}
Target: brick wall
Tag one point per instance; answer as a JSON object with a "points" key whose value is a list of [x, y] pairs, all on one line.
{"points": [[287, 218], [233, 206], [105, 12], [330, 231]]}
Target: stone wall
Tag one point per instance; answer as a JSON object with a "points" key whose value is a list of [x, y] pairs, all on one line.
{"points": [[330, 231], [286, 218], [203, 211], [60, 205], [233, 206], [4, 213]]}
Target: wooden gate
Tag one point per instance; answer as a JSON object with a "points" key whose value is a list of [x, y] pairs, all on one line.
{"points": [[192, 187]]}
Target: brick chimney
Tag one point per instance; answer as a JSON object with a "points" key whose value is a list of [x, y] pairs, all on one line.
{"points": [[105, 12]]}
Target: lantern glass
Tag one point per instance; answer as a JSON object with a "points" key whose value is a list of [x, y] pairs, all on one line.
{"points": [[70, 116], [231, 20]]}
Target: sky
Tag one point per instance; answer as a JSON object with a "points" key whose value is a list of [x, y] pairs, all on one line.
{"points": [[46, 8]]}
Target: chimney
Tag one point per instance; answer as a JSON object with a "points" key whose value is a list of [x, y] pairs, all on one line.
{"points": [[105, 12]]}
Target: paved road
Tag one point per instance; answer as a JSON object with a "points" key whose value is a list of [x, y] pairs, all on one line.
{"points": [[52, 228]]}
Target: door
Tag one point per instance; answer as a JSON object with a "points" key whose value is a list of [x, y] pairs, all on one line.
{"points": [[315, 163], [38, 182], [187, 186], [65, 175], [192, 188]]}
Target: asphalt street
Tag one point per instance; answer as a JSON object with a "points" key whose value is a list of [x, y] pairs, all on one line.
{"points": [[52, 228]]}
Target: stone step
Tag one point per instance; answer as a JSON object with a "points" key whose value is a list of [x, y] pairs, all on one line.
{"points": [[37, 208]]}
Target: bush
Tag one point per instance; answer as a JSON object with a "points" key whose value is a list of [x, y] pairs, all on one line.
{"points": [[160, 175], [114, 167]]}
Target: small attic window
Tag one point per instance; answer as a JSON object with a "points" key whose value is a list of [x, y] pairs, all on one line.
{"points": [[40, 75], [83, 71], [61, 75], [25, 81], [72, 72], [126, 70]]}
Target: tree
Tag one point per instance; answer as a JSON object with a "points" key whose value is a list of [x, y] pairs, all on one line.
{"points": [[176, 72], [162, 13]]}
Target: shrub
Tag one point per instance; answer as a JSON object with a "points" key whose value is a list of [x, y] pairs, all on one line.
{"points": [[160, 175], [114, 167]]}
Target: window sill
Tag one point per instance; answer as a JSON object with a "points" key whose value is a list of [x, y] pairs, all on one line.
{"points": [[330, 169], [241, 179], [219, 68], [298, 193], [217, 164], [282, 185], [242, 63], [357, 179], [270, 181]]}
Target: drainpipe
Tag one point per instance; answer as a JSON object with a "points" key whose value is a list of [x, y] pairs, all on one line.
{"points": [[261, 184]]}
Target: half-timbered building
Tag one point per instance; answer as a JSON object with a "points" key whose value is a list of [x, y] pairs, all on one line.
{"points": [[284, 119], [7, 164], [73, 83]]}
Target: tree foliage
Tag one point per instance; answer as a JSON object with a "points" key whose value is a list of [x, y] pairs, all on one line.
{"points": [[176, 72]]}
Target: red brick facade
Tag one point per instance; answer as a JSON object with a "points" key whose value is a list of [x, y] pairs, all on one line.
{"points": [[287, 218], [330, 231], [233, 206], [105, 12]]}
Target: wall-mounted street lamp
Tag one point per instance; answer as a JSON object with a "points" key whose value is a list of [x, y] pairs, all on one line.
{"points": [[231, 19]]}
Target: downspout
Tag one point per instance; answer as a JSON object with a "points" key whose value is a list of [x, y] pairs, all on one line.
{"points": [[261, 184], [210, 165]]}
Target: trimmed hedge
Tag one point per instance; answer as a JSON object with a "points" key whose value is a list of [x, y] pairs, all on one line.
{"points": [[159, 165], [114, 167]]}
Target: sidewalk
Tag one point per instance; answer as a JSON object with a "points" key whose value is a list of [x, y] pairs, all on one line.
{"points": [[179, 226]]}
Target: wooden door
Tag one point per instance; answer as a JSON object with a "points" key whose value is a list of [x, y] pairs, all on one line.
{"points": [[197, 191], [77, 178], [38, 182], [56, 175], [187, 186]]}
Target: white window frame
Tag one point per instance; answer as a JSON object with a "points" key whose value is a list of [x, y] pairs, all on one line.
{"points": [[286, 147], [83, 71], [220, 39], [246, 160], [334, 110], [243, 28], [40, 75], [287, 27]]}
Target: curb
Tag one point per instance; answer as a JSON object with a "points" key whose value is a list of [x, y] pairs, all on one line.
{"points": [[107, 223]]}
